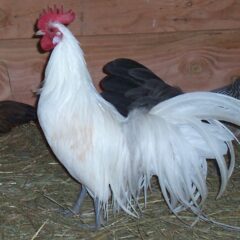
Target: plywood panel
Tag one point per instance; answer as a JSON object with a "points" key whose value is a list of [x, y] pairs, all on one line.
{"points": [[194, 61], [147, 16], [24, 66], [126, 16], [17, 18]]}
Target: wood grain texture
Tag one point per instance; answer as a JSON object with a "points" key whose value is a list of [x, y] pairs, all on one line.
{"points": [[148, 16], [17, 18], [193, 61], [100, 17], [24, 65]]}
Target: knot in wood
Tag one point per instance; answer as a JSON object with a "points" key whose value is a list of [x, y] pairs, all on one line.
{"points": [[196, 68]]}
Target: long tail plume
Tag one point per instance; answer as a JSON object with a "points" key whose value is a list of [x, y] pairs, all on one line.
{"points": [[174, 141]]}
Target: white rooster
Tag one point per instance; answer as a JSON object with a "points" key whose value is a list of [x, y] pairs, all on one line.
{"points": [[114, 156]]}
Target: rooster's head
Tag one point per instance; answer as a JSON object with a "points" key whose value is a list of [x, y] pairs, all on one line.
{"points": [[51, 36]]}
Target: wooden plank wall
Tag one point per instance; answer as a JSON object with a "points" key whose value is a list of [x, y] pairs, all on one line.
{"points": [[194, 44]]}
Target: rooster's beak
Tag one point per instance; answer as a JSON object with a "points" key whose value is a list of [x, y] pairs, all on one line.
{"points": [[39, 33]]}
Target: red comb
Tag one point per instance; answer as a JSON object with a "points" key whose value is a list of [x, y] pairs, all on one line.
{"points": [[55, 15]]}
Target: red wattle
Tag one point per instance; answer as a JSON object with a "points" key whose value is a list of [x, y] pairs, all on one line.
{"points": [[46, 43]]}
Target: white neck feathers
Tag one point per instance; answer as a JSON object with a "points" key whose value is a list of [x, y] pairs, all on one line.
{"points": [[66, 72]]}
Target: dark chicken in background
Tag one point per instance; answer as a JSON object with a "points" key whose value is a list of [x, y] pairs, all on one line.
{"points": [[128, 85], [15, 113]]}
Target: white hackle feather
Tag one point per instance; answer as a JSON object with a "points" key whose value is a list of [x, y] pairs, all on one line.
{"points": [[116, 156]]}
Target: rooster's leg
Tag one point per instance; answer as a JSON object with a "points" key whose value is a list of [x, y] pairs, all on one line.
{"points": [[98, 213], [77, 205]]}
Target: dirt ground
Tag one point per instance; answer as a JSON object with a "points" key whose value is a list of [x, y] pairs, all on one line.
{"points": [[35, 188]]}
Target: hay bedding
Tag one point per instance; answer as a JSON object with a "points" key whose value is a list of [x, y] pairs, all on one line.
{"points": [[34, 185]]}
